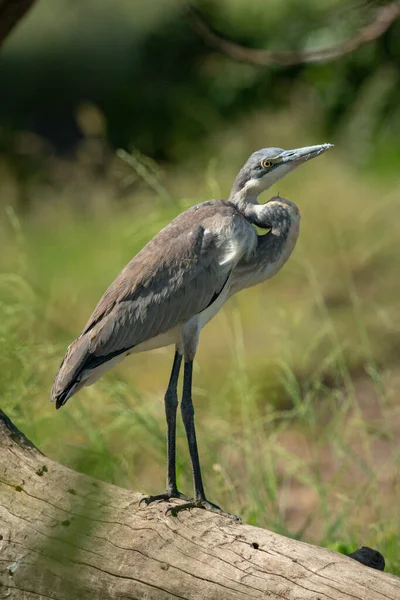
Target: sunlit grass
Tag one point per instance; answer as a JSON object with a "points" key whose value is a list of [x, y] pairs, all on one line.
{"points": [[295, 381]]}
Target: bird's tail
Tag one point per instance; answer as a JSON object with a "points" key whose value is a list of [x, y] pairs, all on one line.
{"points": [[68, 379]]}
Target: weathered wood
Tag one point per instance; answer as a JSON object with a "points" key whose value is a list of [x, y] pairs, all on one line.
{"points": [[66, 536]]}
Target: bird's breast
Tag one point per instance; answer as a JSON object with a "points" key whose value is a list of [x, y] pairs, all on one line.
{"points": [[291, 241], [270, 255]]}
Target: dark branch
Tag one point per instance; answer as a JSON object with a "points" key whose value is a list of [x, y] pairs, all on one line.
{"points": [[11, 11], [385, 16]]}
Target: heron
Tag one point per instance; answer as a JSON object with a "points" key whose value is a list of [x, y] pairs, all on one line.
{"points": [[177, 283]]}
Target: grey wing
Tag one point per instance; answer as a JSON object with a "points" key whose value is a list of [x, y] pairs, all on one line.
{"points": [[186, 281], [168, 282]]}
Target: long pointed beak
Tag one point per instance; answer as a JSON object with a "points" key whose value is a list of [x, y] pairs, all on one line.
{"points": [[303, 154]]}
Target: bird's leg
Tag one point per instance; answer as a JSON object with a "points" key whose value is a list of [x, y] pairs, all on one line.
{"points": [[171, 405], [200, 500], [187, 410]]}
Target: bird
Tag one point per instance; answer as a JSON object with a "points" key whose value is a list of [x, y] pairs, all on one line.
{"points": [[180, 279]]}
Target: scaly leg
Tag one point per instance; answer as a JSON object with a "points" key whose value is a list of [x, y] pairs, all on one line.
{"points": [[171, 404], [187, 410]]}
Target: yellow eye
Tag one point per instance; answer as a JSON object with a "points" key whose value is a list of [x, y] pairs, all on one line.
{"points": [[266, 164]]}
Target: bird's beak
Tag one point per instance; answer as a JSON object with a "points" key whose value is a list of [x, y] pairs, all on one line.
{"points": [[300, 155]]}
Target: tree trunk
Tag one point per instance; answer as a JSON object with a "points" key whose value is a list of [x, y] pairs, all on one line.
{"points": [[66, 536]]}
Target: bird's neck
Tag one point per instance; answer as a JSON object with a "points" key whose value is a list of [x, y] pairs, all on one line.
{"points": [[250, 209], [244, 197], [276, 215]]}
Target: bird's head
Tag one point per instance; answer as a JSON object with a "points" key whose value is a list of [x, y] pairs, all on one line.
{"points": [[265, 167]]}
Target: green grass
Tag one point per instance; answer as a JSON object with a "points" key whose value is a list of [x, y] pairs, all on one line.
{"points": [[295, 381]]}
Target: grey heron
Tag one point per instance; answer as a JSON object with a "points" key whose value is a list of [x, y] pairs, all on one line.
{"points": [[178, 282]]}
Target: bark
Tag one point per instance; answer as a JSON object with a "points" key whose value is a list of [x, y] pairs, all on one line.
{"points": [[67, 536], [11, 11]]}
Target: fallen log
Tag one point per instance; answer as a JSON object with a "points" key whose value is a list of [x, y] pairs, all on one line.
{"points": [[67, 536]]}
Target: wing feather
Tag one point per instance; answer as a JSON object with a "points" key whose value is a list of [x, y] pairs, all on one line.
{"points": [[176, 276], [181, 287]]}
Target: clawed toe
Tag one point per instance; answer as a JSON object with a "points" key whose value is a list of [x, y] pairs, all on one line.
{"points": [[205, 504], [189, 503], [166, 497]]}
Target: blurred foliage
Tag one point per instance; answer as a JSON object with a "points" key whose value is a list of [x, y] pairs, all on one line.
{"points": [[163, 90], [295, 380]]}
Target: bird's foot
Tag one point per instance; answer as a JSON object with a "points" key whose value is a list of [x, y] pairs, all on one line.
{"points": [[166, 497], [201, 503]]}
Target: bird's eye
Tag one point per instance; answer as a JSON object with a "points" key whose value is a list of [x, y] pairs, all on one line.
{"points": [[266, 164]]}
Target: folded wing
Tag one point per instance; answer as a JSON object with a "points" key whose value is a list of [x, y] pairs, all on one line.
{"points": [[176, 276]]}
